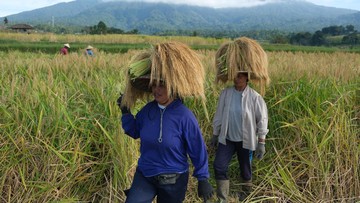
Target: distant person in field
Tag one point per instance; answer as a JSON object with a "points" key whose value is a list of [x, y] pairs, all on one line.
{"points": [[65, 49], [89, 51], [240, 122], [168, 131]]}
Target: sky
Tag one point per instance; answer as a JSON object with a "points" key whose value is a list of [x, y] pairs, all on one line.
{"points": [[17, 6]]}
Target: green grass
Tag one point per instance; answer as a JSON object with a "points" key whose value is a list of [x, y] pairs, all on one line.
{"points": [[61, 138], [8, 45], [53, 48], [311, 49]]}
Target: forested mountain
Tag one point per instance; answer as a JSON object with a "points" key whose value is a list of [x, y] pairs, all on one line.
{"points": [[149, 18]]}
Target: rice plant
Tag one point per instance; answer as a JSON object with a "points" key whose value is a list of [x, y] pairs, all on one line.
{"points": [[61, 137]]}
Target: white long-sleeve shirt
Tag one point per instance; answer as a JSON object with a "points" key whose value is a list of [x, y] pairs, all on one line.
{"points": [[254, 117]]}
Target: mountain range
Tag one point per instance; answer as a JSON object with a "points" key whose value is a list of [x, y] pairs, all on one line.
{"points": [[150, 18]]}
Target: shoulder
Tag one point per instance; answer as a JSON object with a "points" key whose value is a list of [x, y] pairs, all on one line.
{"points": [[178, 105], [227, 90], [255, 96], [225, 93], [148, 107], [252, 92], [182, 110]]}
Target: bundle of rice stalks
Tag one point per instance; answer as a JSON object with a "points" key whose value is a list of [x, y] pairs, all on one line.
{"points": [[242, 55], [172, 63], [139, 68]]}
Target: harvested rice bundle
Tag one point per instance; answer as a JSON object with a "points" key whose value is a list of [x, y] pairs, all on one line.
{"points": [[242, 55], [171, 63]]}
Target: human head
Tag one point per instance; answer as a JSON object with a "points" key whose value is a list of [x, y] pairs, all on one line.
{"points": [[160, 94], [241, 80], [242, 54], [67, 45], [89, 47]]}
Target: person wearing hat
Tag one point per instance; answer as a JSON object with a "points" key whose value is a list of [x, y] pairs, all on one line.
{"points": [[65, 49], [240, 122], [89, 51], [168, 131]]}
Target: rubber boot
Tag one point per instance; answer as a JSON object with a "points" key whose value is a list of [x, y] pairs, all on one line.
{"points": [[246, 189], [222, 190]]}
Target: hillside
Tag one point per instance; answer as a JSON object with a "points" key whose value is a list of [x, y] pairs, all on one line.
{"points": [[291, 16]]}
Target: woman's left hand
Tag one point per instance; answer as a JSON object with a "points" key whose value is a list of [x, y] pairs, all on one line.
{"points": [[260, 150]]}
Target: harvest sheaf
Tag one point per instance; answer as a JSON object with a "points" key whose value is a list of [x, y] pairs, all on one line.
{"points": [[61, 138]]}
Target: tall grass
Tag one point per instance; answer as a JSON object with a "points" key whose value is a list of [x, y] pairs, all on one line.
{"points": [[315, 144], [60, 131], [107, 39], [61, 138]]}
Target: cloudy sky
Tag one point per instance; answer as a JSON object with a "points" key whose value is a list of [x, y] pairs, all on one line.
{"points": [[17, 6]]}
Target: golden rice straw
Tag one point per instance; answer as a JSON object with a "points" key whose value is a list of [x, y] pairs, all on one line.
{"points": [[177, 65], [242, 55]]}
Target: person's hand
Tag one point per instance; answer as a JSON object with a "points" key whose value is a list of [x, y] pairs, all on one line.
{"points": [[260, 150], [214, 141], [205, 190], [124, 109]]}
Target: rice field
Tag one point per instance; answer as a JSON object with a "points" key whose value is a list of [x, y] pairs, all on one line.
{"points": [[61, 139]]}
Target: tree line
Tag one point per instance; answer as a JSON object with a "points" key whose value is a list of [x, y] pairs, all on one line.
{"points": [[102, 28], [323, 37], [348, 35]]}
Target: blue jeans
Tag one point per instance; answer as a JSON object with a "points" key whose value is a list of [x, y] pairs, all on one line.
{"points": [[144, 189], [224, 154]]}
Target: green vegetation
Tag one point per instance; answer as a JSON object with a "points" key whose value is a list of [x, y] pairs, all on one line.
{"points": [[53, 48], [311, 49], [156, 18], [61, 138], [329, 39], [333, 35]]}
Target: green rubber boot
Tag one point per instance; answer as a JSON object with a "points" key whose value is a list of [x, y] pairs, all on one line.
{"points": [[222, 190]]}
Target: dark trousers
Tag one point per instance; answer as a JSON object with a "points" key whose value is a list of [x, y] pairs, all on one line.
{"points": [[144, 189], [224, 154]]}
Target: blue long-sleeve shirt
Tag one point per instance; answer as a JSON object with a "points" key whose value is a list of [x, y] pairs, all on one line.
{"points": [[167, 138]]}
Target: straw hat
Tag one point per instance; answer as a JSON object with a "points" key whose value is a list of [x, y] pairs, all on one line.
{"points": [[242, 55], [67, 45], [171, 63], [89, 47]]}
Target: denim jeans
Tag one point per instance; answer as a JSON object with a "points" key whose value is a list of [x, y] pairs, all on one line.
{"points": [[145, 189], [224, 154]]}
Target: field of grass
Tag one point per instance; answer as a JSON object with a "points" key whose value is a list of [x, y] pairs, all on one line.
{"points": [[61, 139], [51, 43]]}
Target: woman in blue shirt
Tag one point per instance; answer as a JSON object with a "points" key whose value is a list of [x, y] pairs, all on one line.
{"points": [[169, 133]]}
